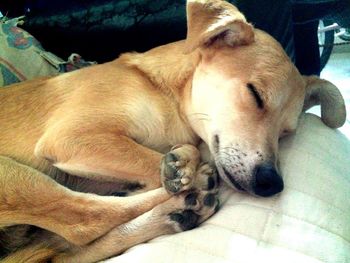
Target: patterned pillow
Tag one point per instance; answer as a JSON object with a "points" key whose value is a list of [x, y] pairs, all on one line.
{"points": [[23, 58], [21, 55]]}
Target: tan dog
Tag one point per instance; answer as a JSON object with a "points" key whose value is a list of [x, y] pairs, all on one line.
{"points": [[110, 125]]}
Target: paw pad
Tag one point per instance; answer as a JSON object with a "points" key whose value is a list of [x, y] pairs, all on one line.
{"points": [[191, 199], [186, 219], [209, 200]]}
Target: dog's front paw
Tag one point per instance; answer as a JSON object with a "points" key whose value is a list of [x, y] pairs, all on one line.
{"points": [[178, 168], [190, 208], [201, 202]]}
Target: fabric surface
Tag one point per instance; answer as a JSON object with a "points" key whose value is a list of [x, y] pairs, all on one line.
{"points": [[22, 57], [308, 222]]}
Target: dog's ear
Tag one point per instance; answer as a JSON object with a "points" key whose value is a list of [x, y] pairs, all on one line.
{"points": [[215, 21], [324, 93]]}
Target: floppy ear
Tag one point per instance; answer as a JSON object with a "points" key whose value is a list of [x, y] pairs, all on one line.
{"points": [[210, 21], [324, 93]]}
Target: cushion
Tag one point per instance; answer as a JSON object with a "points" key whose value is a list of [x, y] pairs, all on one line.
{"points": [[308, 222], [21, 55], [23, 58]]}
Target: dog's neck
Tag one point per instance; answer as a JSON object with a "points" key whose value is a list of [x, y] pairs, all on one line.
{"points": [[169, 70], [167, 67]]}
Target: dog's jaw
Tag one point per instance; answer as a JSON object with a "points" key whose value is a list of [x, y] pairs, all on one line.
{"points": [[236, 166]]}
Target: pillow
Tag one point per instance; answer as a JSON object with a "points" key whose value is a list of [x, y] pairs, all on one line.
{"points": [[23, 58], [21, 55], [308, 222]]}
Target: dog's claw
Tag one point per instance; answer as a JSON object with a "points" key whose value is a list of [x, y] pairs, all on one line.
{"points": [[185, 180]]}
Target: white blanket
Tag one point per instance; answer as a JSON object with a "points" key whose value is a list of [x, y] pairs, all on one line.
{"points": [[308, 222]]}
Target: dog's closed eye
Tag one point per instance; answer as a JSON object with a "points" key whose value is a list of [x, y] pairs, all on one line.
{"points": [[256, 95]]}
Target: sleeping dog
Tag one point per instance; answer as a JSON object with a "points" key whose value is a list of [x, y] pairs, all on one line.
{"points": [[134, 125]]}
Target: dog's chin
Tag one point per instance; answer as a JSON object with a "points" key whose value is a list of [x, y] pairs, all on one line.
{"points": [[229, 178]]}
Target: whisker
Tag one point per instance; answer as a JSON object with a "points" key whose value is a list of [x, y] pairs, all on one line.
{"points": [[199, 118], [229, 148], [197, 113]]}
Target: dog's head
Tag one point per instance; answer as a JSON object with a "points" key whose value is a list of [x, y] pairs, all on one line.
{"points": [[246, 94]]}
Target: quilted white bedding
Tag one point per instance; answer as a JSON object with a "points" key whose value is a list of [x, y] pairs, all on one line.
{"points": [[308, 222]]}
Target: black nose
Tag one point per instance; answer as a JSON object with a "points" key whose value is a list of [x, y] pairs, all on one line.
{"points": [[267, 181]]}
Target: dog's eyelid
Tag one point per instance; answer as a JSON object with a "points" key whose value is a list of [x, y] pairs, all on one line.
{"points": [[257, 97]]}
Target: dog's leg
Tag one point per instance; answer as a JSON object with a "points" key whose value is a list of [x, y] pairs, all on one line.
{"points": [[180, 213], [30, 197], [106, 156]]}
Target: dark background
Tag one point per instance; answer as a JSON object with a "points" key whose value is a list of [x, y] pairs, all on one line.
{"points": [[101, 30]]}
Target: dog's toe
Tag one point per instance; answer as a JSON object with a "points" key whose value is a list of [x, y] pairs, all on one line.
{"points": [[170, 170], [207, 178], [172, 186]]}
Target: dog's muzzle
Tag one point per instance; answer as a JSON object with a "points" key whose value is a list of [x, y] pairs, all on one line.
{"points": [[267, 181]]}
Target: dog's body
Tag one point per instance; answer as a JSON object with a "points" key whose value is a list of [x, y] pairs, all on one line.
{"points": [[131, 105], [112, 124]]}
